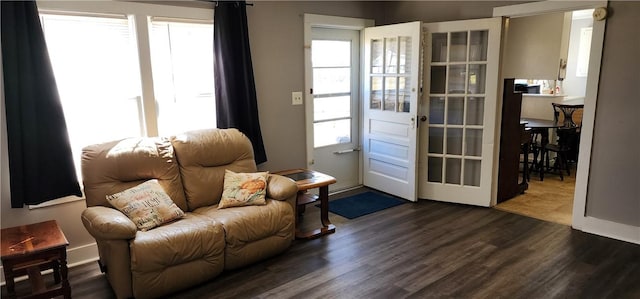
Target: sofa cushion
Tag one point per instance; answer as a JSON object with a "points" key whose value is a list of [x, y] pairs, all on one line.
{"points": [[250, 224], [170, 257], [243, 189], [204, 155], [147, 205], [115, 166]]}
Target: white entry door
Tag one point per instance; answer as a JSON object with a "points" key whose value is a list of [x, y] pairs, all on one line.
{"points": [[391, 90], [335, 64], [457, 140]]}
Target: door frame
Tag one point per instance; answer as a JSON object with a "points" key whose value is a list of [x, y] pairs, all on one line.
{"points": [[579, 220], [330, 22]]}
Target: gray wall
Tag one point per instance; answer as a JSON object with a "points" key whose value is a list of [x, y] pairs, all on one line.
{"points": [[533, 47], [614, 183], [439, 11]]}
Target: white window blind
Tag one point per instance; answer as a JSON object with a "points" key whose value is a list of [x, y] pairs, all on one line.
{"points": [[182, 64], [96, 69]]}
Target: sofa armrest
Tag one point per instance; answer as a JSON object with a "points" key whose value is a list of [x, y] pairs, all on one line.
{"points": [[107, 223], [281, 188]]}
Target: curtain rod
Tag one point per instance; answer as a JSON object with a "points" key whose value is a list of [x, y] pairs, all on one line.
{"points": [[236, 2]]}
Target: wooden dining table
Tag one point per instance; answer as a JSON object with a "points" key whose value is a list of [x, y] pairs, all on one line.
{"points": [[541, 126]]}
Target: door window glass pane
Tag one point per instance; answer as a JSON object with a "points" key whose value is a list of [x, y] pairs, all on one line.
{"points": [[404, 94], [438, 79], [436, 110], [473, 142], [331, 80], [455, 111], [454, 141], [439, 47], [435, 169], [376, 93], [458, 46], [390, 93], [332, 132], [478, 45], [457, 76], [405, 55], [475, 110], [377, 50], [436, 139], [453, 170], [331, 107], [472, 172], [477, 77], [182, 65], [391, 55], [330, 53]]}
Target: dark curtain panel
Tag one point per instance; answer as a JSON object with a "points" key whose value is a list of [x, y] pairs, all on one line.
{"points": [[236, 102], [40, 160]]}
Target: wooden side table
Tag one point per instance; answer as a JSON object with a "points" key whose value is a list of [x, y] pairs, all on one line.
{"points": [[29, 249], [308, 179]]}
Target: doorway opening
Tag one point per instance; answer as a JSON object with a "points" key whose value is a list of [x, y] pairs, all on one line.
{"points": [[333, 97], [554, 197]]}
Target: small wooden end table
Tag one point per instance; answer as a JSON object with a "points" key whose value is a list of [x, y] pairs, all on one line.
{"points": [[29, 249], [308, 179]]}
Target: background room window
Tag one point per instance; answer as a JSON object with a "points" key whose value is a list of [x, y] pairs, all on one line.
{"points": [[182, 63], [96, 69], [96, 63]]}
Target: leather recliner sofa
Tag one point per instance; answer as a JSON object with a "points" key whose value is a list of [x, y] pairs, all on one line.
{"points": [[196, 248]]}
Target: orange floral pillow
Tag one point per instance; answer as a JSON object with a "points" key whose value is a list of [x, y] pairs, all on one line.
{"points": [[243, 189], [147, 205]]}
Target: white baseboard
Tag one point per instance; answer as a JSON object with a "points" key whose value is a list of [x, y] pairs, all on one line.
{"points": [[75, 256], [609, 229]]}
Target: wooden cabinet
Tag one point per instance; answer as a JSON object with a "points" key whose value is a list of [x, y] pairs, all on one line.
{"points": [[511, 134]]}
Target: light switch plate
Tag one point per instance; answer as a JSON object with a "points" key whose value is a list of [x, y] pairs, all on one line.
{"points": [[296, 98]]}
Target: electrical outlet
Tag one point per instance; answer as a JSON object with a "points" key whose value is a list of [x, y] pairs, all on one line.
{"points": [[296, 98]]}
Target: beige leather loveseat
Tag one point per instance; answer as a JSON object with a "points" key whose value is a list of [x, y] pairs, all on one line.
{"points": [[207, 240]]}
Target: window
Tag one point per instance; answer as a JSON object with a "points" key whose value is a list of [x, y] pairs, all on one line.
{"points": [[182, 63], [331, 63], [96, 69], [100, 62]]}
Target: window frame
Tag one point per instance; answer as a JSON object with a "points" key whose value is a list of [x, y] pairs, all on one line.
{"points": [[139, 15]]}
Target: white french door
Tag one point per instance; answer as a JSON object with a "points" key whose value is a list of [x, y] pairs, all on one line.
{"points": [[457, 140], [391, 90]]}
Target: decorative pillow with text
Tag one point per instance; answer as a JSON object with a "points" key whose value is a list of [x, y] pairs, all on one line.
{"points": [[243, 189], [147, 205]]}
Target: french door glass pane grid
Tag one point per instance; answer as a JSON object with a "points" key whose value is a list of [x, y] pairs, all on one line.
{"points": [[390, 74], [450, 115]]}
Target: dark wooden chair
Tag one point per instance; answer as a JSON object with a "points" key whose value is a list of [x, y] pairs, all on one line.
{"points": [[563, 147], [571, 117]]}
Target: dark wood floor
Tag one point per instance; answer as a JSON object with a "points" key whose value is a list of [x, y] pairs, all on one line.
{"points": [[426, 250]]}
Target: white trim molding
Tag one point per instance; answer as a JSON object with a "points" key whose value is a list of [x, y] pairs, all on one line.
{"points": [[322, 21], [611, 229]]}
